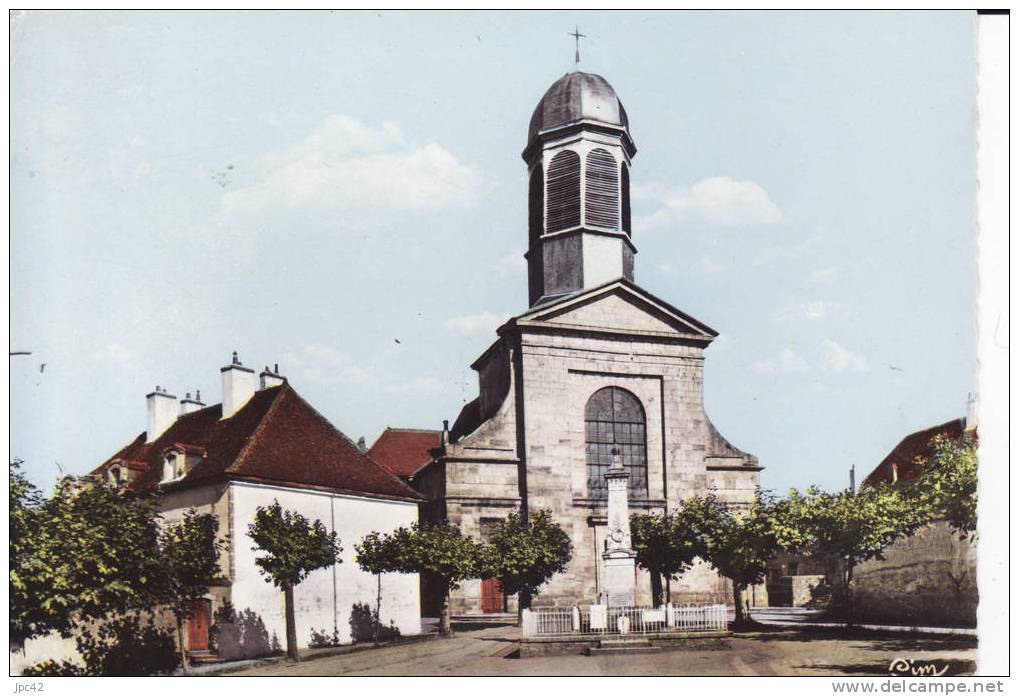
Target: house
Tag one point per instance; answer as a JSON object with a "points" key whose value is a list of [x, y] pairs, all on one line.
{"points": [[263, 443], [404, 451]]}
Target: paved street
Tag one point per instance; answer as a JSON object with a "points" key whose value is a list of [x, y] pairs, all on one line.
{"points": [[775, 651]]}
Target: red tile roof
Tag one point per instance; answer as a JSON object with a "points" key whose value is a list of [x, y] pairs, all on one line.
{"points": [[277, 437], [404, 451], [906, 452]]}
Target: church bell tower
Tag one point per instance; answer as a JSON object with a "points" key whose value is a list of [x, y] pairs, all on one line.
{"points": [[578, 158]]}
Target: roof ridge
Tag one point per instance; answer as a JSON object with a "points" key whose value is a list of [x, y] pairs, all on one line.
{"points": [[239, 459]]}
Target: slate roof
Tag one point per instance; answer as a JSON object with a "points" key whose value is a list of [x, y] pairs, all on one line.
{"points": [[404, 451], [277, 437], [912, 446]]}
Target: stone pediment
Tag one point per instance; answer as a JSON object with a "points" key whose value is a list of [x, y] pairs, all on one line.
{"points": [[620, 307]]}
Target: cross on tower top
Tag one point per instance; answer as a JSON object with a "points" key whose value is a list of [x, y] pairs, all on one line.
{"points": [[577, 36]]}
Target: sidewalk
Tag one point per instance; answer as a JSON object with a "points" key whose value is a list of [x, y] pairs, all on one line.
{"points": [[799, 616], [305, 654]]}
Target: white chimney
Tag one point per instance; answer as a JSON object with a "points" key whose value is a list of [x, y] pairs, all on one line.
{"points": [[271, 378], [238, 386], [162, 410], [189, 405]]}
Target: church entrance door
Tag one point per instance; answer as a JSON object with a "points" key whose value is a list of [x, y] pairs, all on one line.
{"points": [[198, 625], [491, 597]]}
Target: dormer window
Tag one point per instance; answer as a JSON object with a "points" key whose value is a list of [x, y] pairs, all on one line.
{"points": [[173, 466], [179, 460], [115, 475]]}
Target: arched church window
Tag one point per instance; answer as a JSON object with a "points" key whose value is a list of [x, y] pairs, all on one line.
{"points": [[625, 186], [564, 191], [615, 426], [535, 204], [602, 186]]}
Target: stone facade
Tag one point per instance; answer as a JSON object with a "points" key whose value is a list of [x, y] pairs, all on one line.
{"points": [[530, 441], [522, 444]]}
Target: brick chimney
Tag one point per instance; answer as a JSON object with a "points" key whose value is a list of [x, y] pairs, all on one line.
{"points": [[189, 405], [162, 412], [271, 378], [238, 386]]}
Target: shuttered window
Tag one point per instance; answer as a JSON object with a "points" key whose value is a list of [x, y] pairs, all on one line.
{"points": [[625, 181], [564, 191], [602, 186], [535, 204]]}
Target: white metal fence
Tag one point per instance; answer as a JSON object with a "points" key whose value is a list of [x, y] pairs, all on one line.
{"points": [[598, 619]]}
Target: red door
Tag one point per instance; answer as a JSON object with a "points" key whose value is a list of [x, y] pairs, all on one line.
{"points": [[198, 625], [491, 597]]}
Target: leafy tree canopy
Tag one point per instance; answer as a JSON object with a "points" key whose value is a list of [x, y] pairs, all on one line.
{"points": [[523, 557], [947, 484], [83, 553], [291, 545]]}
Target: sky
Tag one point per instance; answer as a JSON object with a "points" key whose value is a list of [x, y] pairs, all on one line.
{"points": [[343, 194]]}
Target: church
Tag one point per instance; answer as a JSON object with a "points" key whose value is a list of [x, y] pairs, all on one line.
{"points": [[596, 368]]}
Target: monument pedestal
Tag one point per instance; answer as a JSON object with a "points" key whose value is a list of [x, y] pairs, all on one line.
{"points": [[619, 577], [619, 559]]}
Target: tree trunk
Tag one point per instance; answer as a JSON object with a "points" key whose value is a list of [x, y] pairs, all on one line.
{"points": [[445, 629], [184, 662], [288, 596], [668, 589], [656, 589], [740, 619], [378, 607], [850, 599]]}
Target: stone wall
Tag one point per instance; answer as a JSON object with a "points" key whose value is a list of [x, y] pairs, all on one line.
{"points": [[928, 578]]}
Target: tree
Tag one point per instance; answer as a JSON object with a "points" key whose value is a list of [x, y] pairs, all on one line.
{"points": [[947, 484], [376, 554], [438, 549], [737, 543], [85, 552], [27, 616], [662, 549], [292, 548], [854, 526], [523, 556], [189, 555]]}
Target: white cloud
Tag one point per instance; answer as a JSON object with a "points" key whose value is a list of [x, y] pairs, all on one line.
{"points": [[720, 200], [476, 323], [823, 275], [839, 359], [787, 362], [347, 164]]}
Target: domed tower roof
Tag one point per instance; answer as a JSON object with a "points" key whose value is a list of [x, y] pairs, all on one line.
{"points": [[577, 97]]}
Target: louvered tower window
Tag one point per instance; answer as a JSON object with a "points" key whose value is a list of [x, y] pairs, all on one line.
{"points": [[625, 186], [564, 191], [602, 186], [535, 204], [614, 420]]}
